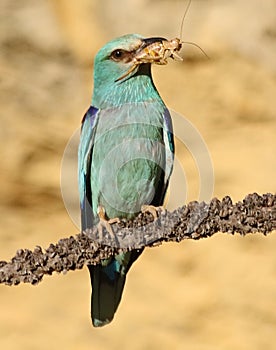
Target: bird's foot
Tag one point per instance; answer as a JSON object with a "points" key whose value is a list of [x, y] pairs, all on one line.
{"points": [[105, 223], [152, 210]]}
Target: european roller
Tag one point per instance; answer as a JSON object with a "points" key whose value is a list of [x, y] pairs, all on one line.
{"points": [[125, 156]]}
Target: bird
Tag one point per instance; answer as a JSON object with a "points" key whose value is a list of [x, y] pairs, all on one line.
{"points": [[125, 157]]}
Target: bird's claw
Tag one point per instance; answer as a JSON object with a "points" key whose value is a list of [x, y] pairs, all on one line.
{"points": [[152, 210], [105, 223]]}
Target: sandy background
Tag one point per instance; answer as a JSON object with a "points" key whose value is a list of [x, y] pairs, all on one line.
{"points": [[213, 294]]}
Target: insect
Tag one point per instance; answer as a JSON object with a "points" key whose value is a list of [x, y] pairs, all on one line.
{"points": [[159, 51]]}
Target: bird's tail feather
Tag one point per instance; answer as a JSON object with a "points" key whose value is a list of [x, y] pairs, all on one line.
{"points": [[107, 286]]}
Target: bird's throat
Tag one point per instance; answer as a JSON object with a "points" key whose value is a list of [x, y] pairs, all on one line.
{"points": [[137, 88]]}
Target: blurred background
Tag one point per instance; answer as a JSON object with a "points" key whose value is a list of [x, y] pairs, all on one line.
{"points": [[218, 293]]}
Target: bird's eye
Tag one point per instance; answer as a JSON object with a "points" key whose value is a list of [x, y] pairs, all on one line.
{"points": [[118, 54]]}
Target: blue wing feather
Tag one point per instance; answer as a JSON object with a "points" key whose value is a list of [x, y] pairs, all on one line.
{"points": [[88, 128], [169, 147]]}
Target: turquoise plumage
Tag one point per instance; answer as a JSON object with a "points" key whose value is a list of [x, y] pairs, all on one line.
{"points": [[125, 157]]}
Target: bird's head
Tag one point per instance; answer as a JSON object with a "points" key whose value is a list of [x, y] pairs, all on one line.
{"points": [[119, 70]]}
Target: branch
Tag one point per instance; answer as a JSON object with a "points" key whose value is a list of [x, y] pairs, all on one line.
{"points": [[192, 221]]}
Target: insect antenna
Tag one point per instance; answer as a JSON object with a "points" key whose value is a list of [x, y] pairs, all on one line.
{"points": [[181, 31], [183, 18], [196, 45]]}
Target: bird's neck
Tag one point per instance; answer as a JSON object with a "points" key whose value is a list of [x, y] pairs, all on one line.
{"points": [[138, 88]]}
